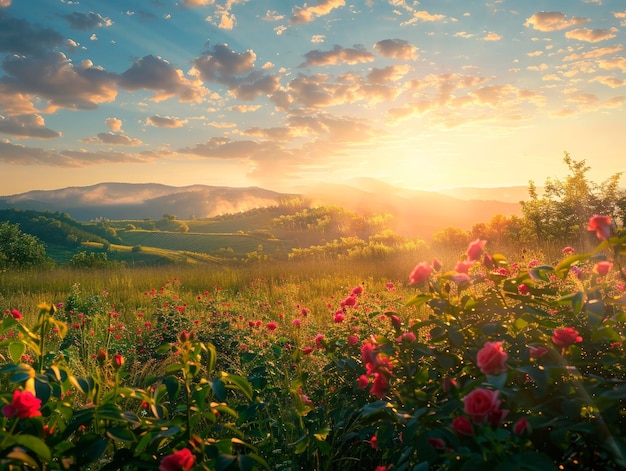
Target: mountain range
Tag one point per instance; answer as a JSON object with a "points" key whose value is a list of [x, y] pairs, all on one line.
{"points": [[415, 213]]}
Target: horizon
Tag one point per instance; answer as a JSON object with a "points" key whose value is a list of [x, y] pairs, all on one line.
{"points": [[419, 95]]}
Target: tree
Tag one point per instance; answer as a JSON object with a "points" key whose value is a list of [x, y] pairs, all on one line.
{"points": [[562, 212], [20, 250]]}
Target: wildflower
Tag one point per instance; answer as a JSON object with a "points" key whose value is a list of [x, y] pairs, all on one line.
{"points": [[566, 336], [271, 326], [396, 321], [406, 337], [491, 359], [462, 426], [182, 460], [602, 226], [357, 290], [523, 289], [296, 323], [568, 250], [353, 340], [118, 361], [24, 405], [339, 317], [307, 350], [101, 357], [319, 340], [475, 250], [603, 268], [349, 301], [390, 286], [420, 273], [463, 267], [17, 315], [380, 386]]}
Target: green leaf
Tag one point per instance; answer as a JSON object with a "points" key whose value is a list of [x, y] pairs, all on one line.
{"points": [[121, 434], [418, 300], [456, 337], [239, 383], [322, 433], [35, 444], [16, 350], [219, 389]]}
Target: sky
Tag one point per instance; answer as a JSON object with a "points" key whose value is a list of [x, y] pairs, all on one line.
{"points": [[288, 93]]}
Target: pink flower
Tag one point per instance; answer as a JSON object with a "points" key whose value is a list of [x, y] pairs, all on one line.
{"points": [[566, 336], [380, 386], [389, 285], [481, 403], [461, 279], [17, 315], [406, 337], [463, 267], [353, 340], [182, 460], [339, 317], [602, 226], [367, 352], [349, 301], [24, 405], [521, 426], [271, 326], [603, 268], [296, 323], [357, 290], [475, 250], [118, 361], [420, 273], [523, 289], [462, 426], [319, 340], [363, 381], [537, 352], [568, 250], [491, 359], [396, 321]]}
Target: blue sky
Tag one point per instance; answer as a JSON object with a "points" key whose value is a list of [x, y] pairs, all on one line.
{"points": [[280, 94]]}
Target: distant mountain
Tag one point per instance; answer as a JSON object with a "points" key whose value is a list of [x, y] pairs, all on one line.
{"points": [[143, 200], [416, 213]]}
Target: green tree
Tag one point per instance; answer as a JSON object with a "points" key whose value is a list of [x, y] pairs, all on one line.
{"points": [[20, 250], [561, 213]]}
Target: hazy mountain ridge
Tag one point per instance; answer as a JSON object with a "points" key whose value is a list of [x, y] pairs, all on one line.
{"points": [[416, 212]]}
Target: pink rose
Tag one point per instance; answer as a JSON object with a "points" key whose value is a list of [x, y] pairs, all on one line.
{"points": [[462, 426], [380, 386], [475, 249], [566, 336], [603, 268], [182, 460], [602, 226], [363, 381], [461, 279], [537, 352], [491, 359], [24, 405], [521, 426], [481, 403], [463, 267], [420, 273]]}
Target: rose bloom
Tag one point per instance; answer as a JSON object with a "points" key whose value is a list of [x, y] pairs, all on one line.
{"points": [[537, 352], [491, 359], [462, 426], [339, 317], [602, 226], [24, 405], [475, 250], [420, 273], [182, 460], [363, 381], [481, 403], [603, 268], [566, 336], [463, 267], [521, 426], [380, 386]]}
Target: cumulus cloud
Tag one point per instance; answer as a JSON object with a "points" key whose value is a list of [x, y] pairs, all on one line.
{"points": [[30, 125], [113, 139], [166, 121], [53, 77], [391, 73], [553, 21], [308, 13], [594, 53], [592, 35], [618, 63], [396, 48], [87, 21], [338, 55], [492, 37], [158, 75], [114, 124], [20, 37]]}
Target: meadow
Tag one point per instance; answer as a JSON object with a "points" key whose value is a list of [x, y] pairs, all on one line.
{"points": [[413, 362]]}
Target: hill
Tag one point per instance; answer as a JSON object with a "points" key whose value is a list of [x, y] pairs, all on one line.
{"points": [[416, 213]]}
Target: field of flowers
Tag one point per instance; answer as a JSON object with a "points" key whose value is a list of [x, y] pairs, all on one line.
{"points": [[487, 362]]}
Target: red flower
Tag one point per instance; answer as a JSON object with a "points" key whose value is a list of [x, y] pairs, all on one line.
{"points": [[568, 250], [491, 359], [437, 443], [603, 268], [462, 426], [339, 317], [420, 273], [16, 314], [24, 405], [475, 250], [271, 326], [537, 352], [118, 361], [521, 426], [363, 381], [523, 289], [182, 460], [357, 290], [566, 336], [481, 403], [380, 386], [602, 226]]}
